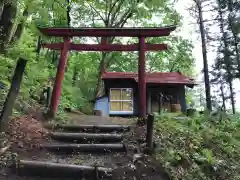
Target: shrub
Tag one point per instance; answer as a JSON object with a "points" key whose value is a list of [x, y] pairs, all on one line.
{"points": [[199, 148]]}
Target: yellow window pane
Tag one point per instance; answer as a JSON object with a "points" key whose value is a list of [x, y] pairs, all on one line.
{"points": [[115, 106], [127, 106], [127, 94], [115, 94]]}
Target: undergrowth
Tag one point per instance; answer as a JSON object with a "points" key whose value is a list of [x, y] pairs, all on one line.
{"points": [[39, 74], [199, 148]]}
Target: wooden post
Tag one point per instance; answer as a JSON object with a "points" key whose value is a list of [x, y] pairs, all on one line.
{"points": [[48, 96], [13, 92], [141, 79], [161, 103], [59, 78], [149, 103], [149, 136]]}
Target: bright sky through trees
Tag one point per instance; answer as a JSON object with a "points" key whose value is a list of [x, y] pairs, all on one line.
{"points": [[188, 30]]}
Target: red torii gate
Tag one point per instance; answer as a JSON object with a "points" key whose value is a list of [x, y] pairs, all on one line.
{"points": [[66, 46]]}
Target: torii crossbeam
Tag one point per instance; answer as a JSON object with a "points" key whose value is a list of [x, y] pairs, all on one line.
{"points": [[141, 47]]}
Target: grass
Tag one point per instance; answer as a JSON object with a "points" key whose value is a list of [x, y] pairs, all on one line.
{"points": [[201, 148]]}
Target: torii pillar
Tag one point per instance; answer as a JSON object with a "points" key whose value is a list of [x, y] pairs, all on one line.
{"points": [[142, 79], [59, 77]]}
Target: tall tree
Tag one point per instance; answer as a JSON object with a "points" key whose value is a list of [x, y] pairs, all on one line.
{"points": [[108, 14], [226, 55], [223, 97], [8, 14], [198, 12], [68, 11], [233, 7], [117, 13], [218, 82]]}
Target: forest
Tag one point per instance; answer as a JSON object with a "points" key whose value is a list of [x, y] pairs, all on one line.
{"points": [[211, 153], [82, 77]]}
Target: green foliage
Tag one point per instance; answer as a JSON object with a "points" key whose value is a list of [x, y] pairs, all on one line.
{"points": [[177, 58], [71, 96], [82, 72], [199, 148]]}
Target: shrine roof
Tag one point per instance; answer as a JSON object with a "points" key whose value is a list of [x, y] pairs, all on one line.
{"points": [[104, 32], [154, 77]]}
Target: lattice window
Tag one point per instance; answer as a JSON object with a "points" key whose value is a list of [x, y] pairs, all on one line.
{"points": [[121, 100]]}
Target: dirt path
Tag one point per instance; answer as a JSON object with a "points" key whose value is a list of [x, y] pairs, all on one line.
{"points": [[74, 118], [27, 135]]}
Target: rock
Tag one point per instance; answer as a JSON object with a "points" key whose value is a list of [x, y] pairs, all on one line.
{"points": [[132, 166], [137, 157], [143, 145], [20, 145]]}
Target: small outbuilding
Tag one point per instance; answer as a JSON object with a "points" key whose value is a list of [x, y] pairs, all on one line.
{"points": [[164, 91]]}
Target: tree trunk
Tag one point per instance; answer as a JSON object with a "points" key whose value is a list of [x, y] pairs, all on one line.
{"points": [[13, 92], [110, 22], [234, 33], [204, 54], [102, 68], [18, 29], [232, 97], [226, 58], [2, 2], [237, 51], [68, 13], [223, 98], [74, 78], [6, 24], [68, 10], [55, 58]]}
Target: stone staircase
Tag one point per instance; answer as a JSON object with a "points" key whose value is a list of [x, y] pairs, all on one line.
{"points": [[77, 151]]}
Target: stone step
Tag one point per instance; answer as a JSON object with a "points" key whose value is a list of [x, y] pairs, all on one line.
{"points": [[90, 148], [86, 137], [49, 169], [90, 128]]}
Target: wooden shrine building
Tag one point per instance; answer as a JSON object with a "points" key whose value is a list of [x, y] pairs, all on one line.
{"points": [[165, 91]]}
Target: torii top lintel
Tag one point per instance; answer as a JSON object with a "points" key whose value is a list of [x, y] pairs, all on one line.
{"points": [[107, 32]]}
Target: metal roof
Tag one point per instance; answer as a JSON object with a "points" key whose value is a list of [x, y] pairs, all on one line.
{"points": [[107, 32], [155, 77]]}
